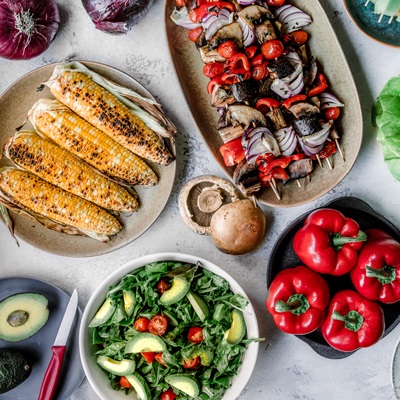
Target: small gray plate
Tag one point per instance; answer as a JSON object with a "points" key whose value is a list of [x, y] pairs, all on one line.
{"points": [[38, 347]]}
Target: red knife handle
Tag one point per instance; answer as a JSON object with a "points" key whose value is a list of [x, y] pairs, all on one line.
{"points": [[50, 379]]}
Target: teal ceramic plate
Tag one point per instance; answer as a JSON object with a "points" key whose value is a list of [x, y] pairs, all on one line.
{"points": [[368, 22]]}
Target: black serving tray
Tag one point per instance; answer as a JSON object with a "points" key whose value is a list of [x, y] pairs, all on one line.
{"points": [[283, 257]]}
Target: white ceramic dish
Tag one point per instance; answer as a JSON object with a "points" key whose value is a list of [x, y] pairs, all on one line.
{"points": [[98, 378]]}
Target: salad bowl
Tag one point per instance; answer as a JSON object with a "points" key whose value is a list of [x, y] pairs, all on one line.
{"points": [[97, 377]]}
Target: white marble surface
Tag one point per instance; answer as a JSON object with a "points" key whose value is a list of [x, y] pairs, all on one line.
{"points": [[287, 368]]}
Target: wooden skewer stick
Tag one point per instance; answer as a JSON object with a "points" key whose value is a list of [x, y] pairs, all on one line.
{"points": [[278, 196], [298, 183], [391, 19], [308, 178], [329, 163], [367, 3], [273, 182], [319, 161], [380, 19], [340, 149]]}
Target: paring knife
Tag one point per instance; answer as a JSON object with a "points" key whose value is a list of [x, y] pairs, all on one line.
{"points": [[52, 374]]}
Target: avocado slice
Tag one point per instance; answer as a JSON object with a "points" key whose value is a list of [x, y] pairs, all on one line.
{"points": [[238, 328], [119, 368], [172, 319], [205, 354], [180, 286], [14, 369], [104, 314], [144, 342], [199, 305], [184, 383], [140, 385], [22, 315], [129, 302]]}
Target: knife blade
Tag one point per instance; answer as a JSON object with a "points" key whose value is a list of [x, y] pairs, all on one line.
{"points": [[52, 374]]}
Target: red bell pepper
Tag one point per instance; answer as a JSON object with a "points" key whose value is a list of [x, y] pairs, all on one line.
{"points": [[214, 81], [275, 173], [329, 242], [235, 76], [232, 152], [265, 166], [353, 321], [329, 149], [298, 97], [251, 51], [238, 60], [377, 274], [200, 12], [297, 299], [320, 87], [265, 104]]}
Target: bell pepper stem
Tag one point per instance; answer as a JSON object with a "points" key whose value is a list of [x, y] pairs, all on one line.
{"points": [[385, 275], [297, 304], [352, 320], [338, 240]]}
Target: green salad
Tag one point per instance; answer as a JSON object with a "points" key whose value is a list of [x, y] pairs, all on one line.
{"points": [[170, 330]]}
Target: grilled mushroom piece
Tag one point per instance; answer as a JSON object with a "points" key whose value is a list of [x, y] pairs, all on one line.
{"points": [[264, 89], [254, 15], [245, 91], [307, 125], [310, 71], [232, 31], [303, 109], [280, 68], [208, 56], [220, 97], [299, 169], [265, 32], [245, 116], [246, 178], [277, 119], [201, 40]]}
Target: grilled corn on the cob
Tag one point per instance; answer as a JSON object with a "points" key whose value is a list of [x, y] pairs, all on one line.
{"points": [[57, 122], [44, 201], [57, 166], [106, 112]]}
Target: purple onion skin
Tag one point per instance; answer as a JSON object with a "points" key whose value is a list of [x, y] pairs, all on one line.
{"points": [[44, 19], [116, 16]]}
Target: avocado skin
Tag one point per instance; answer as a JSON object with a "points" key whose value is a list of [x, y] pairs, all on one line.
{"points": [[14, 369]]}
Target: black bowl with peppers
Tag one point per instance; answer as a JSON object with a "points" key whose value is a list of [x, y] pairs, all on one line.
{"points": [[283, 257]]}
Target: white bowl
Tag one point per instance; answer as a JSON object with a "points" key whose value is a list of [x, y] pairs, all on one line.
{"points": [[98, 378]]}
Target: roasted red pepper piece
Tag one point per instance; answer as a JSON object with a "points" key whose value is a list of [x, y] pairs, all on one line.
{"points": [[238, 60], [238, 75], [320, 87], [232, 152], [297, 299], [329, 149], [265, 166], [275, 173], [215, 81], [288, 102], [210, 8], [377, 274], [265, 104], [353, 321], [329, 242], [251, 51]]}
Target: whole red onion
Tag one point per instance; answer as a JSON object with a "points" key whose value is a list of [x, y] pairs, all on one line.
{"points": [[27, 27]]}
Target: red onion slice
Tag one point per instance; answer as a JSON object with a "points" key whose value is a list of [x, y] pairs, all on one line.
{"points": [[287, 140], [310, 151], [328, 100], [297, 85], [249, 35], [181, 17], [27, 27], [291, 18], [259, 141], [281, 88], [212, 23], [318, 138]]}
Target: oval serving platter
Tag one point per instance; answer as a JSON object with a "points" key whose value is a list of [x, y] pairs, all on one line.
{"points": [[14, 106], [283, 256], [326, 48]]}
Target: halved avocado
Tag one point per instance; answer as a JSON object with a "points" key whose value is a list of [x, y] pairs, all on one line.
{"points": [[104, 314], [143, 342], [199, 305], [184, 383], [140, 385], [238, 328], [129, 302], [119, 368], [22, 315], [14, 369], [205, 354], [180, 286]]}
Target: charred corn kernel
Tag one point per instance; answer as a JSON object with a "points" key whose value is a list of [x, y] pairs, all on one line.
{"points": [[57, 166], [103, 110], [43, 198], [71, 132]]}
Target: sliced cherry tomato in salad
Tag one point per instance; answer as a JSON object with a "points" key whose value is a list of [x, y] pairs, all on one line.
{"points": [[275, 3], [158, 325], [192, 363], [251, 51], [168, 395], [162, 286], [332, 113], [232, 152], [260, 72], [159, 358], [272, 49], [124, 383], [195, 334], [296, 38], [142, 324], [195, 33], [227, 49], [265, 104], [213, 69], [148, 356]]}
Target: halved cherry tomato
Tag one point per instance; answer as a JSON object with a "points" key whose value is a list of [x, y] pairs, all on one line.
{"points": [[124, 383], [158, 325], [251, 51], [180, 3], [195, 334], [238, 60], [213, 69], [320, 87], [272, 49], [190, 364], [232, 152], [276, 3], [227, 49], [260, 72], [148, 356], [213, 82], [298, 97], [159, 358], [168, 395], [257, 60], [296, 38], [195, 33], [332, 113], [265, 104], [162, 286], [142, 324]]}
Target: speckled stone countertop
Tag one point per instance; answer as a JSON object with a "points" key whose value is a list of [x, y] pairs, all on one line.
{"points": [[286, 368]]}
